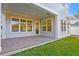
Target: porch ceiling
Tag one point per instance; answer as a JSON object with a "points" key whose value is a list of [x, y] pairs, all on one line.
{"points": [[28, 9]]}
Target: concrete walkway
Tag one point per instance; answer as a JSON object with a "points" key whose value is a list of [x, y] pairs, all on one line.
{"points": [[12, 44]]}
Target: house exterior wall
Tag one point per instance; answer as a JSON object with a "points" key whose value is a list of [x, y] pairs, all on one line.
{"points": [[9, 34], [0, 27], [74, 30], [62, 12], [74, 27], [48, 33]]}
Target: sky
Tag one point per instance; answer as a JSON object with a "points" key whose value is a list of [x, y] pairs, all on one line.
{"points": [[73, 8]]}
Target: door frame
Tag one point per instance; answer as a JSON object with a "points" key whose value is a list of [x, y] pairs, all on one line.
{"points": [[39, 27]]}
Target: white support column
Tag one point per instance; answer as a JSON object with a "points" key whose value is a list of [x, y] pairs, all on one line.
{"points": [[3, 19], [0, 27], [57, 27]]}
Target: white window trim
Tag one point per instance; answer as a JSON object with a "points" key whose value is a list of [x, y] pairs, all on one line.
{"points": [[35, 27], [64, 25], [11, 23], [46, 25], [32, 23], [20, 23], [51, 25]]}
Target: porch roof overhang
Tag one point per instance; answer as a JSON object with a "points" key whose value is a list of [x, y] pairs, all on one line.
{"points": [[29, 9], [46, 8]]}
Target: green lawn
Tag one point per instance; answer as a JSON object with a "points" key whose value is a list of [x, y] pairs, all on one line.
{"points": [[62, 47]]}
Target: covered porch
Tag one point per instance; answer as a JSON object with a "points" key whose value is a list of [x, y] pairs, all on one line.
{"points": [[26, 25], [27, 20]]}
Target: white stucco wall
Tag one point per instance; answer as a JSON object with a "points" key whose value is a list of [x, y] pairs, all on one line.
{"points": [[75, 30]]}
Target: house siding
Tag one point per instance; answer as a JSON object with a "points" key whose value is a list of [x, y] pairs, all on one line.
{"points": [[10, 34], [74, 30], [60, 13], [49, 33], [74, 26], [56, 9]]}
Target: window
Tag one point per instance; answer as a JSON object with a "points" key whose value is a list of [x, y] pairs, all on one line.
{"points": [[15, 24], [49, 25], [64, 25], [23, 25], [68, 24], [20, 24], [37, 26], [29, 25], [44, 25]]}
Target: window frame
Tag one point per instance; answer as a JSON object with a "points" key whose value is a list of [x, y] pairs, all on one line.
{"points": [[18, 23], [31, 24], [44, 25], [25, 24], [63, 25], [50, 24]]}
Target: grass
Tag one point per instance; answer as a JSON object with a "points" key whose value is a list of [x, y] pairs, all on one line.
{"points": [[62, 47]]}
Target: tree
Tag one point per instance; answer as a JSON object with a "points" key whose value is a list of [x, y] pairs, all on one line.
{"points": [[77, 15]]}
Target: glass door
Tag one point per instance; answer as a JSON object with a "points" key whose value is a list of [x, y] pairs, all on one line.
{"points": [[37, 27]]}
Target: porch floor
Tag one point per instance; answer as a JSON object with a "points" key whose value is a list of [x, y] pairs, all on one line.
{"points": [[12, 44]]}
